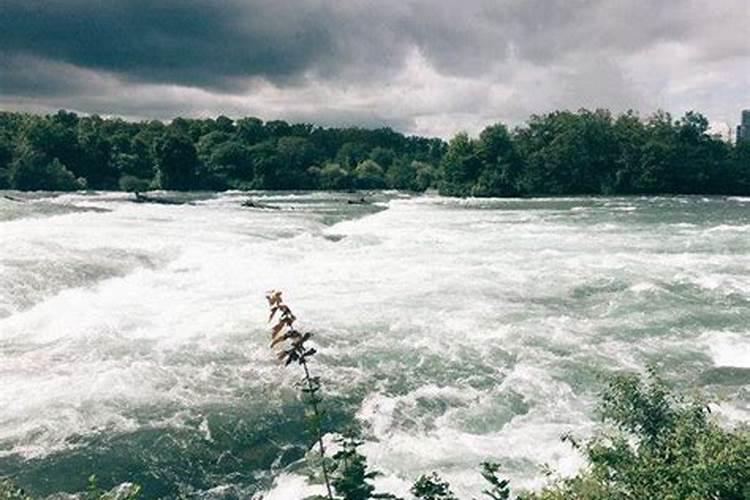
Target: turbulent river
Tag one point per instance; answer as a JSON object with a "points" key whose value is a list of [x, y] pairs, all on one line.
{"points": [[134, 342]]}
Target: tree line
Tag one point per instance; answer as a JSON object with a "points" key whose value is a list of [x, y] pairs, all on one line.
{"points": [[559, 153]]}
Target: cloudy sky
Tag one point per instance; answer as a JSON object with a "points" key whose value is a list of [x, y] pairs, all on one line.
{"points": [[421, 66]]}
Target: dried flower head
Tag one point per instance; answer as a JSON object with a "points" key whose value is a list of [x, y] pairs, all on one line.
{"points": [[289, 345], [285, 339]]}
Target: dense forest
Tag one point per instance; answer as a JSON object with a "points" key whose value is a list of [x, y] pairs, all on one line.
{"points": [[584, 152]]}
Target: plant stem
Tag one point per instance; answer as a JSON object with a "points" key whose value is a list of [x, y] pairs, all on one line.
{"points": [[316, 412]]}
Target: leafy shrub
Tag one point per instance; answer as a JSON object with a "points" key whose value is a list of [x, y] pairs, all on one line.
{"points": [[351, 477], [499, 488], [653, 445], [432, 487], [658, 446], [10, 491], [125, 491]]}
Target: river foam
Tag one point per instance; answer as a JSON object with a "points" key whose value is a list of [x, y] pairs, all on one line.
{"points": [[453, 331]]}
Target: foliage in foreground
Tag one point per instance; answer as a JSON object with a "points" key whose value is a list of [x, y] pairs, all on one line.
{"points": [[352, 477], [432, 487], [653, 444], [10, 491], [658, 446], [125, 491], [291, 347]]}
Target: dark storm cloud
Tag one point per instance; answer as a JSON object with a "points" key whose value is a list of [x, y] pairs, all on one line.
{"points": [[213, 43], [176, 41], [85, 54]]}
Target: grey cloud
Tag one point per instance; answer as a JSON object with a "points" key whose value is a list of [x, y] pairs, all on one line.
{"points": [[208, 43], [557, 53], [28, 76], [178, 41]]}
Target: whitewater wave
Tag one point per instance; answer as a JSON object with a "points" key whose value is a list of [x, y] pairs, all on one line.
{"points": [[453, 331]]}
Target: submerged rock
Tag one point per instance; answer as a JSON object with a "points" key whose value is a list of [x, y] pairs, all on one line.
{"points": [[13, 199], [361, 201], [142, 198], [255, 204]]}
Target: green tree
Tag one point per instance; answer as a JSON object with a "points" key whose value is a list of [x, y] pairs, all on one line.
{"points": [[232, 160], [52, 138], [738, 179], [333, 177], [209, 142], [277, 128], [702, 162], [224, 124], [95, 155], [461, 166], [297, 152], [251, 131], [425, 177], [369, 175], [569, 153], [284, 164], [267, 166], [132, 165], [583, 152], [402, 175], [351, 154], [33, 171], [629, 135], [501, 165], [176, 162], [656, 172], [6, 156], [383, 156]]}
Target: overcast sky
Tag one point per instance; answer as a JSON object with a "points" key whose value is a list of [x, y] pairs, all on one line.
{"points": [[429, 67]]}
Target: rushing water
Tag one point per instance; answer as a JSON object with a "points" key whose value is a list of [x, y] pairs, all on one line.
{"points": [[133, 338]]}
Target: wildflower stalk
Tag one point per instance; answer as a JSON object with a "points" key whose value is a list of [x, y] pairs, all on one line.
{"points": [[313, 400], [291, 348]]}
